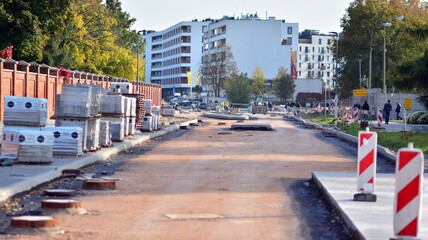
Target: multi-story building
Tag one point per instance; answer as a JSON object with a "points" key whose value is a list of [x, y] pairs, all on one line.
{"points": [[267, 43], [171, 54], [315, 58], [174, 52]]}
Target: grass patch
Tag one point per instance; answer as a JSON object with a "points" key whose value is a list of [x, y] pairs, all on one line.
{"points": [[320, 118], [393, 140]]}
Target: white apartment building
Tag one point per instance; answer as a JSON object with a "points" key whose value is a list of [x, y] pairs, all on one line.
{"points": [[268, 43], [315, 59], [171, 54]]}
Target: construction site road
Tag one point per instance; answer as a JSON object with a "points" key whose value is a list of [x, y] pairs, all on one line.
{"points": [[209, 182]]}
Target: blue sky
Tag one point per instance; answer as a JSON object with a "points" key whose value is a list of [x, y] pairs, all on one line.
{"points": [[323, 15]]}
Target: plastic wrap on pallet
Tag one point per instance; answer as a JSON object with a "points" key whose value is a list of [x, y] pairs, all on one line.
{"points": [[105, 134], [78, 101], [123, 86], [75, 122], [27, 146], [67, 140], [25, 111], [126, 126], [128, 106], [148, 105], [117, 128], [113, 104], [147, 123], [131, 129], [93, 134], [133, 107]]}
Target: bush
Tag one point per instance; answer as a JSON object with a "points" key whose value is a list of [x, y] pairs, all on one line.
{"points": [[413, 118], [423, 119]]}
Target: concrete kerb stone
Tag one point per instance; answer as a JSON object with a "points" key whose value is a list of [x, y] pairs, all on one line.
{"points": [[381, 150], [26, 183], [352, 229]]}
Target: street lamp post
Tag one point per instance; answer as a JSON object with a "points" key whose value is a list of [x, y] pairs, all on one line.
{"points": [[336, 98], [386, 24], [359, 70], [138, 59]]}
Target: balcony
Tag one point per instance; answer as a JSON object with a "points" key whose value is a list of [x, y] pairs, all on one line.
{"points": [[185, 50]]}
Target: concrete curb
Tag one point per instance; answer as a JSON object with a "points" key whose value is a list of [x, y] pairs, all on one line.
{"points": [[350, 226], [225, 117], [381, 150], [34, 175]]}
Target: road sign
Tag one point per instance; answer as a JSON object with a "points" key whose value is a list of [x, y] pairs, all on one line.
{"points": [[360, 92], [408, 103]]}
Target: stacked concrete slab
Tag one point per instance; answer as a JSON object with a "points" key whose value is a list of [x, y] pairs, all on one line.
{"points": [[105, 134], [79, 106], [22, 139], [25, 111], [122, 87], [113, 109], [67, 140], [27, 145]]}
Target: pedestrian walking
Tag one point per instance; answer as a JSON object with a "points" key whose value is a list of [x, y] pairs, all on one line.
{"points": [[387, 108], [366, 109], [398, 110]]}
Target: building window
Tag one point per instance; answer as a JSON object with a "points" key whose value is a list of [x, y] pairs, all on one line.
{"points": [[328, 74], [290, 30], [300, 49], [319, 41], [289, 40], [300, 73]]}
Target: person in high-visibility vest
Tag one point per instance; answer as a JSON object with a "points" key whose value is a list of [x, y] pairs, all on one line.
{"points": [[222, 105], [162, 103], [226, 105]]}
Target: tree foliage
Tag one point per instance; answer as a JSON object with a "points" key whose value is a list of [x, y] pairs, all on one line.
{"points": [[216, 66], [84, 35], [258, 84], [283, 84], [363, 28], [238, 88]]}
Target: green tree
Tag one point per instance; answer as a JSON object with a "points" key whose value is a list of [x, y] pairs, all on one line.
{"points": [[216, 66], [238, 88], [364, 33], [258, 84], [283, 85]]}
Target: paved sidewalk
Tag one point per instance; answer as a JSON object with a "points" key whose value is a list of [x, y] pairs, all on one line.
{"points": [[366, 220], [21, 178]]}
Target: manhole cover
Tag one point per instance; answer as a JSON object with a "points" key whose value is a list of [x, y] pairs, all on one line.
{"points": [[34, 222], [60, 203]]}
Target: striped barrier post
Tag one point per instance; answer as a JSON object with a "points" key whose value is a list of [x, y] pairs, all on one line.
{"points": [[379, 118], [409, 175], [355, 114], [366, 178]]}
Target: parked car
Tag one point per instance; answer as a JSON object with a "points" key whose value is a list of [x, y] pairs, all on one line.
{"points": [[185, 102], [203, 105]]}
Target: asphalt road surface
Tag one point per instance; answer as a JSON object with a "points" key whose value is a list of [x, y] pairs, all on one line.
{"points": [[209, 182]]}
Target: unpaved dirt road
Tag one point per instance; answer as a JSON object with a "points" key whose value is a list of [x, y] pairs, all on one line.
{"points": [[205, 185]]}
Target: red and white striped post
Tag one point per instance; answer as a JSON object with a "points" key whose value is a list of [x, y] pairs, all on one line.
{"points": [[379, 118], [409, 175], [355, 114], [366, 178]]}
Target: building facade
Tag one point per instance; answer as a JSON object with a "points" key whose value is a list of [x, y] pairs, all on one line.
{"points": [[315, 57], [267, 43], [172, 54]]}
